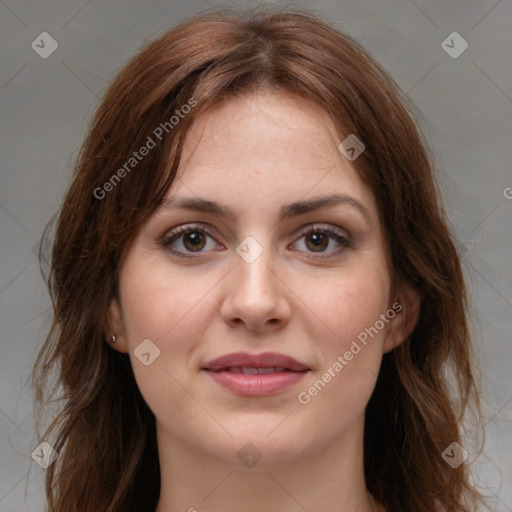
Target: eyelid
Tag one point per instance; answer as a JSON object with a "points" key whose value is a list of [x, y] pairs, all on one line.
{"points": [[209, 230], [323, 227], [186, 227]]}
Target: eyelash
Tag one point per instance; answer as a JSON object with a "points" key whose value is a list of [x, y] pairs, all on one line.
{"points": [[203, 228]]}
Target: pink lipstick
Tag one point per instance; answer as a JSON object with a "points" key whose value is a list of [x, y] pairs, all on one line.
{"points": [[261, 374]]}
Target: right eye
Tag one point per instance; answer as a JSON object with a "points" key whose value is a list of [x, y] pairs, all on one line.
{"points": [[191, 238]]}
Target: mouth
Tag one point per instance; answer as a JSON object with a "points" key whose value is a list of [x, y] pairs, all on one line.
{"points": [[253, 363], [252, 375], [250, 370]]}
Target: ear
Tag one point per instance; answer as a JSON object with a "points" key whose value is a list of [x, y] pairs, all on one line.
{"points": [[407, 308], [115, 325]]}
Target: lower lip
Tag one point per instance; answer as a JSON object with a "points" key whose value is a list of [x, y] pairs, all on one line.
{"points": [[262, 384]]}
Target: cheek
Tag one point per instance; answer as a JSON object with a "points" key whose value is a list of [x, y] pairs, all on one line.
{"points": [[159, 304], [152, 310], [351, 307], [350, 301], [173, 310]]}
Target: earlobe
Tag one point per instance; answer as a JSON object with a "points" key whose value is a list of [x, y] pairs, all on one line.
{"points": [[114, 330], [404, 322]]}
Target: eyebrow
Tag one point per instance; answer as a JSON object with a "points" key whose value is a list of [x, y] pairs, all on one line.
{"points": [[286, 211]]}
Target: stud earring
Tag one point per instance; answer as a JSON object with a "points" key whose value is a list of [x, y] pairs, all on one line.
{"points": [[113, 339]]}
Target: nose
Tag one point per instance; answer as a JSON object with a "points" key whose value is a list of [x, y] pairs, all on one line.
{"points": [[256, 294]]}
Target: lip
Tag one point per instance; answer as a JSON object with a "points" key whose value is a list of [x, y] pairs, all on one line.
{"points": [[262, 360], [263, 384]]}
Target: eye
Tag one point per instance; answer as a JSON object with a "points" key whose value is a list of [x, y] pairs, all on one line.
{"points": [[319, 238], [188, 238]]}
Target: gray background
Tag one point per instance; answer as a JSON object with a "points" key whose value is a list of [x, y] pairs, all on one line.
{"points": [[46, 103]]}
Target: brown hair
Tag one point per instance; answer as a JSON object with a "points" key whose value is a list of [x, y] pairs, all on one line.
{"points": [[104, 432]]}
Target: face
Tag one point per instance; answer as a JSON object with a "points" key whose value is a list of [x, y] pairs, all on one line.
{"points": [[271, 269]]}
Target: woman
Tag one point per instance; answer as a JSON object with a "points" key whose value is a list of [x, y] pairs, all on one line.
{"points": [[258, 303]]}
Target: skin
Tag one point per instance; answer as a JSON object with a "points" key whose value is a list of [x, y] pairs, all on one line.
{"points": [[254, 154]]}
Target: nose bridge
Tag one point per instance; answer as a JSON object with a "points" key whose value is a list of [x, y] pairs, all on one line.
{"points": [[255, 294], [254, 257]]}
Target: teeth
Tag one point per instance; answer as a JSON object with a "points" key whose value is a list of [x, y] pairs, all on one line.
{"points": [[266, 370], [249, 370]]}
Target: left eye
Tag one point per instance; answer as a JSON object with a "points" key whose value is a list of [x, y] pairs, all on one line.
{"points": [[318, 239], [193, 239]]}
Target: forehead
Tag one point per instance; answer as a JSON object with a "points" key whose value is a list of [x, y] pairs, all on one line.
{"points": [[266, 148], [273, 125]]}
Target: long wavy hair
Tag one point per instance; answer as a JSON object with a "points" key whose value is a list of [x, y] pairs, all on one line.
{"points": [[102, 429]]}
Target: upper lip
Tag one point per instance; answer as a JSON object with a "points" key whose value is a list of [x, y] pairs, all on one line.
{"points": [[263, 360]]}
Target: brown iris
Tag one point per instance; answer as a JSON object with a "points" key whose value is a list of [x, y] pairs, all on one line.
{"points": [[194, 241], [319, 241]]}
